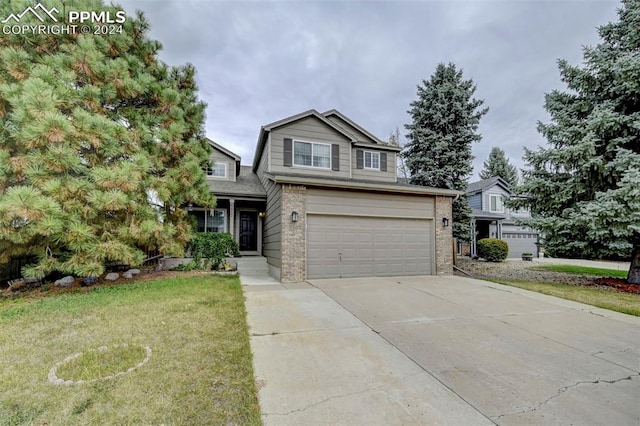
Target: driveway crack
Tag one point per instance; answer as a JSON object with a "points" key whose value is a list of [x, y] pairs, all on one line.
{"points": [[346, 395], [564, 389]]}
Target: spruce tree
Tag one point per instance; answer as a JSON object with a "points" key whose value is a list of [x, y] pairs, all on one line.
{"points": [[498, 165], [445, 119], [101, 146], [585, 185]]}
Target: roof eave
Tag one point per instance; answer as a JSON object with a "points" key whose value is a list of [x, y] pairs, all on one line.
{"points": [[381, 187], [354, 124]]}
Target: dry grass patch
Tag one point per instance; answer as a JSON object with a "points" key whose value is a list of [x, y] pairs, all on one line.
{"points": [[199, 372], [625, 303]]}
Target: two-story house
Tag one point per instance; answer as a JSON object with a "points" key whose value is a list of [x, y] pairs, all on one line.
{"points": [[492, 219], [322, 200]]}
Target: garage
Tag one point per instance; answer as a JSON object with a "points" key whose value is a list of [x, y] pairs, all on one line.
{"points": [[357, 246], [521, 242]]}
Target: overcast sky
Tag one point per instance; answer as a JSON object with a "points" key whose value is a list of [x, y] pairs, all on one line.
{"points": [[258, 62]]}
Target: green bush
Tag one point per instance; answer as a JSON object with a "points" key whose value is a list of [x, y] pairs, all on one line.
{"points": [[214, 247], [493, 249]]}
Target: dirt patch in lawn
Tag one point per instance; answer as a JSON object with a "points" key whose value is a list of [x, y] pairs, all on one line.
{"points": [[519, 270]]}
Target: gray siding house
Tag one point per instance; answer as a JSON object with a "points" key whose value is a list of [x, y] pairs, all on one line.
{"points": [[323, 201], [491, 219]]}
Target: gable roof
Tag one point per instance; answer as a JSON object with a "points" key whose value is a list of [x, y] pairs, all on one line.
{"points": [[266, 129], [343, 130], [482, 185], [235, 157], [353, 124], [224, 150]]}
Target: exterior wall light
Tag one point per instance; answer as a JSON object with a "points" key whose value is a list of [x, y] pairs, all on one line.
{"points": [[294, 216], [445, 221], [262, 214]]}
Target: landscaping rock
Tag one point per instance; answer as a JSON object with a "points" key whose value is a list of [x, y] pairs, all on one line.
{"points": [[128, 275], [65, 282], [133, 271], [112, 276], [90, 280]]}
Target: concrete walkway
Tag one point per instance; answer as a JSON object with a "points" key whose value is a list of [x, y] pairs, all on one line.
{"points": [[439, 350]]}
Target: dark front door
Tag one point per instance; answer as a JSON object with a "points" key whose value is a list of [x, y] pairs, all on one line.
{"points": [[248, 231]]}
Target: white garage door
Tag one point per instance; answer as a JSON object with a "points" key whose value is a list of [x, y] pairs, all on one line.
{"points": [[356, 246]]}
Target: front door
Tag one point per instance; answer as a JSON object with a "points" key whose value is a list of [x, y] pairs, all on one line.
{"points": [[248, 231]]}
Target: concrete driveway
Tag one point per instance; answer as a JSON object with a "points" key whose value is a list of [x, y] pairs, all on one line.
{"points": [[439, 350]]}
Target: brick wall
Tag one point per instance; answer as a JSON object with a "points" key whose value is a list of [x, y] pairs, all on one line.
{"points": [[293, 234], [444, 236]]}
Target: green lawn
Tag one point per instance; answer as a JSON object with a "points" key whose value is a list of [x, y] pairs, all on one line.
{"points": [[621, 302], [199, 371], [581, 270]]}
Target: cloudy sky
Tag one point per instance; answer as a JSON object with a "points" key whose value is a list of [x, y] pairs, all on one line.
{"points": [[261, 61]]}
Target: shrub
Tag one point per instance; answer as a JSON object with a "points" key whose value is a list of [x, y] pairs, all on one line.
{"points": [[214, 247], [493, 249]]}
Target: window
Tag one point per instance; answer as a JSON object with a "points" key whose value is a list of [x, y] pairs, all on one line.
{"points": [[496, 203], [312, 154], [211, 223], [218, 170], [372, 160]]}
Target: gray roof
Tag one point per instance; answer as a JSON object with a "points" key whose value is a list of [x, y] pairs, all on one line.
{"points": [[485, 184], [247, 184]]}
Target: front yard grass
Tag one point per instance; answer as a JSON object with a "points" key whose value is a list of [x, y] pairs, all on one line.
{"points": [[199, 371], [581, 270], [625, 303]]}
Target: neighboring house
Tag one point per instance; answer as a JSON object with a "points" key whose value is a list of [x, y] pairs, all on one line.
{"points": [[491, 219], [322, 200]]}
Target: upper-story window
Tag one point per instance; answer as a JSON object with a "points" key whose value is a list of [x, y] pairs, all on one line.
{"points": [[372, 160], [217, 170], [496, 203], [311, 154]]}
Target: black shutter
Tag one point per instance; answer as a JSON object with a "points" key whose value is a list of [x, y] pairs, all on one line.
{"points": [[383, 161], [359, 159], [335, 157], [288, 152]]}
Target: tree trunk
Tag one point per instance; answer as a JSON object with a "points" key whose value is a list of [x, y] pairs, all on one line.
{"points": [[634, 270]]}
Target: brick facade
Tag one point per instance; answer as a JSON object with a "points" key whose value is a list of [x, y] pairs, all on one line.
{"points": [[444, 236], [293, 234]]}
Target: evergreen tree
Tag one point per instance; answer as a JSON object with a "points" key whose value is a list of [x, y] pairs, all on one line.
{"points": [[585, 185], [444, 125], [401, 168], [100, 147], [498, 165]]}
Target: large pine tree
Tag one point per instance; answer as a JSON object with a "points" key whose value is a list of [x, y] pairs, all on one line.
{"points": [[100, 147], [498, 165], [585, 185], [445, 119]]}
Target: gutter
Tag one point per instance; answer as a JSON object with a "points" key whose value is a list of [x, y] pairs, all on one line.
{"points": [[378, 187]]}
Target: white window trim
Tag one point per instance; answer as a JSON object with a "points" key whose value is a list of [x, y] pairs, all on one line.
{"points": [[491, 196], [216, 210], [364, 160], [212, 166], [293, 153]]}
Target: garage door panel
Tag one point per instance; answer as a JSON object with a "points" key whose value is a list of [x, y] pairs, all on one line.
{"points": [[354, 246]]}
